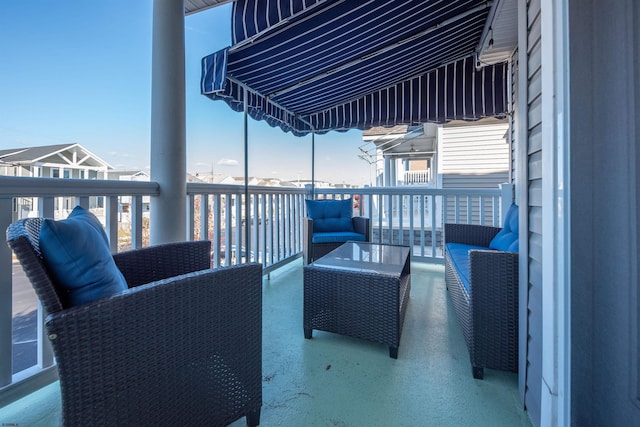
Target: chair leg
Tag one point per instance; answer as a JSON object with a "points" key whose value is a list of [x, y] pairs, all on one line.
{"points": [[478, 373], [253, 418]]}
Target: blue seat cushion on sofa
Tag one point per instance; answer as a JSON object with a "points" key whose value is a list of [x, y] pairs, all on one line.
{"points": [[459, 255], [76, 253], [330, 215], [507, 238], [337, 237]]}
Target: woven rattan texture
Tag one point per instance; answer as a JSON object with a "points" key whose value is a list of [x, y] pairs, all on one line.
{"points": [[185, 350], [313, 251], [489, 316], [159, 262], [22, 237], [361, 305]]}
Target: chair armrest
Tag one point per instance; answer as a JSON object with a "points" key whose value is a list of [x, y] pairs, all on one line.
{"points": [[145, 265], [307, 236], [307, 228], [470, 234], [179, 338], [494, 288], [494, 307], [361, 225]]}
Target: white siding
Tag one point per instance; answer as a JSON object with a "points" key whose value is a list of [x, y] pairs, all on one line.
{"points": [[534, 182], [474, 156], [513, 109]]}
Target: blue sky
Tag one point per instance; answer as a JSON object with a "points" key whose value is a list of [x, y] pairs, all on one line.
{"points": [[78, 71]]}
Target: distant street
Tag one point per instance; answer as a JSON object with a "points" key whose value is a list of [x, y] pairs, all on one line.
{"points": [[25, 306]]}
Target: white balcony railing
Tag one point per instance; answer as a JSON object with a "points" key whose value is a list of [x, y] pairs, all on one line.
{"points": [[421, 177], [408, 215]]}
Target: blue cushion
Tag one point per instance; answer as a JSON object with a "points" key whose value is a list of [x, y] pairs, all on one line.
{"points": [[503, 240], [337, 237], [459, 255], [330, 215], [512, 219], [514, 246], [76, 254], [507, 238]]}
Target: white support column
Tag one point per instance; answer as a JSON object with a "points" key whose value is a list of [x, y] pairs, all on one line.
{"points": [[387, 172], [168, 128], [506, 198], [556, 257]]}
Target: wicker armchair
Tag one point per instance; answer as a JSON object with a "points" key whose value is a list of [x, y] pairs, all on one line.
{"points": [[181, 346], [489, 312], [312, 251]]}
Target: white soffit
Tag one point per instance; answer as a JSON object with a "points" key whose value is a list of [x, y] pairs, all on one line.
{"points": [[500, 36], [194, 6]]}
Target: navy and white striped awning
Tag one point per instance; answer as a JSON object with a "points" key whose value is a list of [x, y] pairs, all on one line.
{"points": [[320, 65]]}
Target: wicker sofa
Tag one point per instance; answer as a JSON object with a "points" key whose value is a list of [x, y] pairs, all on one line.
{"points": [[483, 286], [182, 345]]}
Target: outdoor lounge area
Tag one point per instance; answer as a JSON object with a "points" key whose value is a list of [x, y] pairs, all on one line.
{"points": [[333, 380], [546, 68]]}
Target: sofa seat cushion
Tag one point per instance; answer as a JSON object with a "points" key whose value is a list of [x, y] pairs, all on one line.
{"points": [[76, 253], [330, 215], [337, 237], [459, 255]]}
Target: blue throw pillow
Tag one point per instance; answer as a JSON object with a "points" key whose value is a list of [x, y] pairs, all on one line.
{"points": [[507, 238], [512, 219], [76, 254], [330, 215]]}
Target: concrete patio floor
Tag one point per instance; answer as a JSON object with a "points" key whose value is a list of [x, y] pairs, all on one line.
{"points": [[333, 380]]}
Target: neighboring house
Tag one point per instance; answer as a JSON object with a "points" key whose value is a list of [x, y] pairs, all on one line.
{"points": [[124, 210], [455, 155], [401, 154], [473, 155], [53, 161], [238, 180]]}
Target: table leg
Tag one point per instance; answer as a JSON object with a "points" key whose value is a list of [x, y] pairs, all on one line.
{"points": [[393, 352]]}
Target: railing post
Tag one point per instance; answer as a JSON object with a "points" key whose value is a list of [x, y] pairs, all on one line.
{"points": [[217, 229], [255, 230], [111, 219], [506, 198], [6, 299], [191, 212], [136, 222]]}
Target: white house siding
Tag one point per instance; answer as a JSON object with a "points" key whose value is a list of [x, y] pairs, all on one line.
{"points": [[532, 72], [474, 155], [514, 113]]}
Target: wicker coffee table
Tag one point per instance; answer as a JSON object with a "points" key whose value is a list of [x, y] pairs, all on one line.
{"points": [[360, 290]]}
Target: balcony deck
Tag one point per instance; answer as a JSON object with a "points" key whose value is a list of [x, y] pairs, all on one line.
{"points": [[333, 380]]}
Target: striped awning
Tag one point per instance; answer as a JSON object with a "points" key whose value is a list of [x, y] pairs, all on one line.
{"points": [[336, 65]]}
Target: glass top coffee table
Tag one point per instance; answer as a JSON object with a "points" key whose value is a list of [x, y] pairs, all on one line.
{"points": [[360, 290]]}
